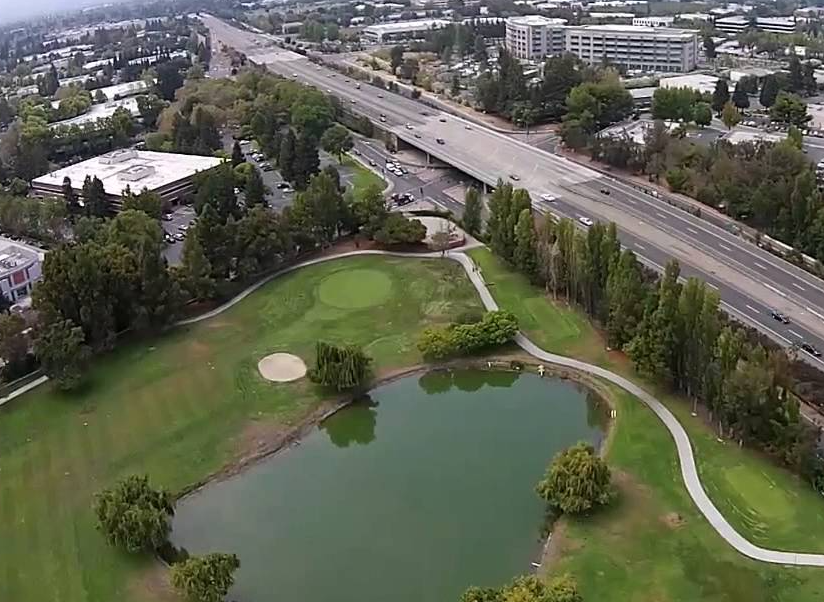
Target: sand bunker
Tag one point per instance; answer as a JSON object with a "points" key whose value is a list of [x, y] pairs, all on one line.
{"points": [[282, 367]]}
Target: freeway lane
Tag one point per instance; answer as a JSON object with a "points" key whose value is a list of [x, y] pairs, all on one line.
{"points": [[749, 279]]}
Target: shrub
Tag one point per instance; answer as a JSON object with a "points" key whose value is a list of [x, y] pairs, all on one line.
{"points": [[134, 516], [495, 328], [343, 368], [577, 480]]}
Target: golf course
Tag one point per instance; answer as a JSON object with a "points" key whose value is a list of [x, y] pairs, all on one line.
{"points": [[192, 403]]}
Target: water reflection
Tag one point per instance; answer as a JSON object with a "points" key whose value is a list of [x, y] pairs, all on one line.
{"points": [[356, 424], [469, 381]]}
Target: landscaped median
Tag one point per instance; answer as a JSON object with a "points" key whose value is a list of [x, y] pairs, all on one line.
{"points": [[653, 544]]}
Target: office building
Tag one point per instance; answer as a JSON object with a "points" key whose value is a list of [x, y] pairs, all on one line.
{"points": [[648, 49], [653, 21], [401, 30], [739, 23], [167, 174], [533, 37]]}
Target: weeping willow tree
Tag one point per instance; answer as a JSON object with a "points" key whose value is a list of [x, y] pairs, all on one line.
{"points": [[344, 368]]}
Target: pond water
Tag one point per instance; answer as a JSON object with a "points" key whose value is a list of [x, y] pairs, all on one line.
{"points": [[413, 496]]}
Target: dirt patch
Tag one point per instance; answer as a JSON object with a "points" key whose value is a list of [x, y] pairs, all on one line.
{"points": [[153, 583], [557, 546], [673, 520], [282, 367]]}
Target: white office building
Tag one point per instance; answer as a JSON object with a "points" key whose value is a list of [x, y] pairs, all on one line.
{"points": [[653, 21], [170, 175], [533, 37], [401, 30], [650, 49], [738, 23]]}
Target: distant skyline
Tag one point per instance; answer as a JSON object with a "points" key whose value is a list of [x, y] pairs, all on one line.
{"points": [[12, 10]]}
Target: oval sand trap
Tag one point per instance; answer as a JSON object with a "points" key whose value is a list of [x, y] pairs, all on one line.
{"points": [[282, 367]]}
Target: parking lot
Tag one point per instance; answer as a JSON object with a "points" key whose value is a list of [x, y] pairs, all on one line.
{"points": [[175, 226]]}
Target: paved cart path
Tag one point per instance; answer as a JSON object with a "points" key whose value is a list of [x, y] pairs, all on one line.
{"points": [[689, 470]]}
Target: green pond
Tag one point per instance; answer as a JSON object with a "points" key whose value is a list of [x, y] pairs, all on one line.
{"points": [[413, 496]]}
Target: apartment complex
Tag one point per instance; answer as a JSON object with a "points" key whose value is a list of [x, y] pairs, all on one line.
{"points": [[635, 47], [533, 37], [652, 49], [20, 268]]}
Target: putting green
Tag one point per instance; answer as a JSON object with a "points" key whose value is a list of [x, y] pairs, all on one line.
{"points": [[354, 289]]}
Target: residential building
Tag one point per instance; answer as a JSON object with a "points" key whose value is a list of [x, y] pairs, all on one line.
{"points": [[20, 268], [653, 21], [648, 49], [533, 37], [402, 30], [168, 174]]}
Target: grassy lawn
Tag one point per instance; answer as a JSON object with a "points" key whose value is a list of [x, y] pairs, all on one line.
{"points": [[362, 177], [179, 407], [654, 545]]}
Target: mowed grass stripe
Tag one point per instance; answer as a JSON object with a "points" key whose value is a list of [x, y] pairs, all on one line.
{"points": [[158, 407]]}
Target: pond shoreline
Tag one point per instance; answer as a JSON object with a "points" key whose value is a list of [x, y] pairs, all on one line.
{"points": [[547, 547], [281, 442]]}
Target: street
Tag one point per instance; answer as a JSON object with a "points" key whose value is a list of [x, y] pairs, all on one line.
{"points": [[750, 280]]}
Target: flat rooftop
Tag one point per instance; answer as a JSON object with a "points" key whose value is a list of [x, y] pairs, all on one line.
{"points": [[99, 111], [401, 26], [535, 21], [639, 30], [133, 168]]}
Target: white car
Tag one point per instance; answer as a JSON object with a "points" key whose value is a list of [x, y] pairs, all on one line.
{"points": [[408, 126], [585, 221], [547, 197]]}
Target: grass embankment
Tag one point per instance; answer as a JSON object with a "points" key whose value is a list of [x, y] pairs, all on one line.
{"points": [[653, 545], [362, 178], [182, 406]]}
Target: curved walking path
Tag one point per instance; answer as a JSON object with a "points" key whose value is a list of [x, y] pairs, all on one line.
{"points": [[689, 470]]}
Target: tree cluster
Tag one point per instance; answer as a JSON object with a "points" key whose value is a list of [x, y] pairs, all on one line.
{"points": [[673, 332], [771, 187], [343, 368], [528, 589], [592, 106], [506, 92], [205, 578], [495, 328], [111, 279]]}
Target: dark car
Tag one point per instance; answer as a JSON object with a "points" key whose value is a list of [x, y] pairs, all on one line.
{"points": [[605, 191], [810, 349], [440, 140], [777, 315]]}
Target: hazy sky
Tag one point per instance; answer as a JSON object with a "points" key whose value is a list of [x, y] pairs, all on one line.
{"points": [[12, 10]]}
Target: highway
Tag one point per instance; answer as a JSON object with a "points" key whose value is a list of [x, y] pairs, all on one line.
{"points": [[750, 280]]}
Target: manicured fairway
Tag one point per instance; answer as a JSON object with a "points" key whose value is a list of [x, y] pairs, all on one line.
{"points": [[180, 406], [654, 546]]}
